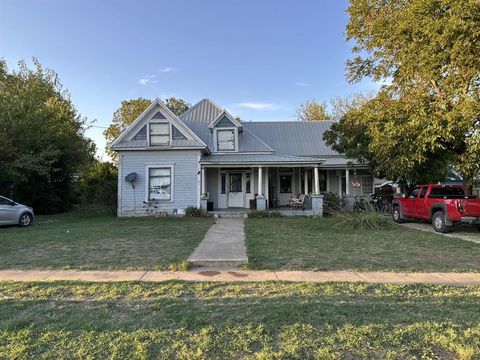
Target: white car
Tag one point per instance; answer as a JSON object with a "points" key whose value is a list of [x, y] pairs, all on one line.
{"points": [[12, 213]]}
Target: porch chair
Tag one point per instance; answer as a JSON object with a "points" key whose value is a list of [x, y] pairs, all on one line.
{"points": [[297, 201]]}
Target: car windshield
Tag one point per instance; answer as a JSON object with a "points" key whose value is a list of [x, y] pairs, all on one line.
{"points": [[440, 192]]}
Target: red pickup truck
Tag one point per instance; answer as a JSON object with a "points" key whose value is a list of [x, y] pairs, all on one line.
{"points": [[444, 205]]}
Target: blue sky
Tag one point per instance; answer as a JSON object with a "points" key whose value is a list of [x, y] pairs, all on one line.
{"points": [[258, 59]]}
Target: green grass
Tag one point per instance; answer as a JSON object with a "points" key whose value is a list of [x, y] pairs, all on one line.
{"points": [[89, 240], [67, 320], [324, 244]]}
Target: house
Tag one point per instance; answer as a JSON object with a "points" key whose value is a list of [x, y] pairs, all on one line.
{"points": [[206, 157]]}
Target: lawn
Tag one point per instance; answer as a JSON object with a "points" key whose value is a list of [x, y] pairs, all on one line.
{"points": [[66, 320], [323, 244], [98, 241]]}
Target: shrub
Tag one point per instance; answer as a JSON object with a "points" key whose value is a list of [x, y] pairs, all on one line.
{"points": [[256, 214], [364, 220], [263, 214], [193, 211], [331, 203]]}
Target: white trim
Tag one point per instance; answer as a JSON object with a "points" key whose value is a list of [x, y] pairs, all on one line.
{"points": [[172, 181]]}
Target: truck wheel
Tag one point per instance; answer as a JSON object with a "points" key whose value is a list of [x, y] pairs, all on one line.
{"points": [[438, 223], [397, 215]]}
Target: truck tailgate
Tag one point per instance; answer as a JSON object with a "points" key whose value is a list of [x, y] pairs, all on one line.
{"points": [[471, 207]]}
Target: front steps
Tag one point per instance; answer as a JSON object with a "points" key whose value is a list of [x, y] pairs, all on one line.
{"points": [[229, 214]]}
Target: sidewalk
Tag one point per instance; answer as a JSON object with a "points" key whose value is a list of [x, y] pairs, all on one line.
{"points": [[232, 275], [223, 245]]}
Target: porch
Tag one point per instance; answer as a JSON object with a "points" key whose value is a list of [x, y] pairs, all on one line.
{"points": [[269, 187]]}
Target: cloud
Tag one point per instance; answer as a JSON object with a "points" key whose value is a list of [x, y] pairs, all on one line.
{"points": [[167, 69], [147, 80], [257, 106], [302, 84]]}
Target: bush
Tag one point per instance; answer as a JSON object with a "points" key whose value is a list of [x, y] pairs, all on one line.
{"points": [[331, 204], [263, 214], [193, 211], [364, 220], [98, 185]]}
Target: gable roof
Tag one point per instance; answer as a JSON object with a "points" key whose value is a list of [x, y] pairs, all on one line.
{"points": [[221, 116], [121, 142]]}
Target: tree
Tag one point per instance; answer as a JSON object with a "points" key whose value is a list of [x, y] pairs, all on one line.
{"points": [[313, 110], [128, 111], [177, 106], [126, 114], [42, 138], [426, 116]]}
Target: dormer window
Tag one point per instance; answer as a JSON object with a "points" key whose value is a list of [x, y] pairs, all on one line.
{"points": [[226, 140], [159, 134]]}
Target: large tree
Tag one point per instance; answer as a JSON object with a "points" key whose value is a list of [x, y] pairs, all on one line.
{"points": [[128, 111], [42, 138], [426, 116], [312, 110]]}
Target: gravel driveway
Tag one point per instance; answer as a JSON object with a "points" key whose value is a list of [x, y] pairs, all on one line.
{"points": [[467, 233]]}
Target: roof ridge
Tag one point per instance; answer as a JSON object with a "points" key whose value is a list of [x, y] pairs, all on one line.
{"points": [[287, 121], [205, 100]]}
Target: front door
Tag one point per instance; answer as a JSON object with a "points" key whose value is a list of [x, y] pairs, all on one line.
{"points": [[235, 191]]}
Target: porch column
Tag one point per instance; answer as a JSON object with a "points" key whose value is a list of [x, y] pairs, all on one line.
{"points": [[305, 181], [317, 183], [347, 182], [204, 181], [260, 181], [261, 202]]}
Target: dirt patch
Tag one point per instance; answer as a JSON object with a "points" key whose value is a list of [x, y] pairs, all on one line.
{"points": [[209, 273]]}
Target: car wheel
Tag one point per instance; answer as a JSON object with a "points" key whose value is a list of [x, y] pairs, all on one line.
{"points": [[25, 219], [438, 223], [397, 215]]}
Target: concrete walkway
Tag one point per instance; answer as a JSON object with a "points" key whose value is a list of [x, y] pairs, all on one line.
{"points": [[233, 275], [223, 245]]}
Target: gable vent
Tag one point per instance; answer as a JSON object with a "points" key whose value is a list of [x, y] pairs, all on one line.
{"points": [[142, 134], [177, 134], [158, 116]]}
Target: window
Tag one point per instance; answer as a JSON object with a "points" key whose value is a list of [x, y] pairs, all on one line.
{"points": [[450, 192], [285, 183], [160, 184], [235, 182], [414, 193], [424, 191], [225, 140], [367, 185], [4, 201], [248, 183], [159, 134], [223, 184]]}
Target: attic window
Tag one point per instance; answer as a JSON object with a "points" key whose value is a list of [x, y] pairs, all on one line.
{"points": [[225, 140], [159, 134]]}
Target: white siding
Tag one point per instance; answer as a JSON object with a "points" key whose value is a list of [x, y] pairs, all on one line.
{"points": [[185, 191]]}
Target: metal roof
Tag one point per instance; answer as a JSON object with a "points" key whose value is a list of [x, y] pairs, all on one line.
{"points": [[301, 138], [258, 158]]}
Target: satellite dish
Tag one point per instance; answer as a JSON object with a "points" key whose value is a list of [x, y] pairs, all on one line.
{"points": [[131, 178]]}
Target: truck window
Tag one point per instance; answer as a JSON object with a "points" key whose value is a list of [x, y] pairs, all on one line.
{"points": [[424, 191], [450, 192], [413, 193]]}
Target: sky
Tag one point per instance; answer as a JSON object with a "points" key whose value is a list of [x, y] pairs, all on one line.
{"points": [[258, 59]]}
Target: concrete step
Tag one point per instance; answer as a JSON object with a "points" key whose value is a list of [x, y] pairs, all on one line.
{"points": [[229, 215], [218, 263]]}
